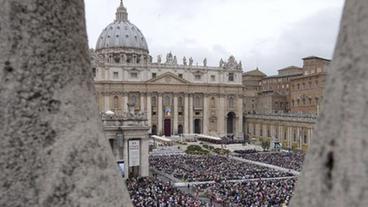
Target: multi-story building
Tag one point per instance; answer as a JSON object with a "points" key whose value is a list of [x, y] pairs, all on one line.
{"points": [[306, 92], [177, 97]]}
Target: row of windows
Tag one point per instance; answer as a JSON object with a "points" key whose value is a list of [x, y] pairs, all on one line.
{"points": [[134, 75], [304, 101], [303, 133], [304, 85]]}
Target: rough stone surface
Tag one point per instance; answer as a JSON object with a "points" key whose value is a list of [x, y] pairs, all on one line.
{"points": [[336, 168], [52, 149]]}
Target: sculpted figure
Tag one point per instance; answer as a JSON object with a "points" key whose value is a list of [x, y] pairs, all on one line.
{"points": [[205, 62], [185, 60], [190, 61], [175, 61], [221, 63], [159, 59]]}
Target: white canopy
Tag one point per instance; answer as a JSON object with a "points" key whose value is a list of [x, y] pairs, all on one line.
{"points": [[161, 138]]}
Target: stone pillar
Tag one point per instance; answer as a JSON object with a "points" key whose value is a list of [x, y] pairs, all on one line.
{"points": [[144, 172], [239, 126], [175, 115], [191, 114], [335, 168], [205, 114], [186, 114], [107, 103], [298, 137], [290, 136], [221, 116], [142, 102], [126, 158], [53, 150], [125, 103], [160, 114], [149, 111]]}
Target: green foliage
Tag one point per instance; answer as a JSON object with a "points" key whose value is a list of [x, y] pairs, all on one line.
{"points": [[196, 150], [221, 151], [265, 144]]}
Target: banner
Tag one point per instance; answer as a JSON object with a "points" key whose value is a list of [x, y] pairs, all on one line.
{"points": [[134, 153]]}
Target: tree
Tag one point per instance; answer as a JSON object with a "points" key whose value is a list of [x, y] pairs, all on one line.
{"points": [[265, 143], [335, 170], [53, 151]]}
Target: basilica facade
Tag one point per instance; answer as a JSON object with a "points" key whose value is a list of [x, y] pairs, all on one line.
{"points": [[180, 97], [177, 96]]}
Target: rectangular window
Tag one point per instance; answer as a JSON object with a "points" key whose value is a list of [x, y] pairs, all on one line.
{"points": [[94, 72], [231, 77], [133, 75], [213, 78], [115, 75], [197, 77], [154, 75]]}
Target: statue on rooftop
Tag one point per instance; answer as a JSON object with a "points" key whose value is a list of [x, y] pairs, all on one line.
{"points": [[175, 61], [185, 60], [221, 63], [205, 62], [190, 61], [159, 59]]}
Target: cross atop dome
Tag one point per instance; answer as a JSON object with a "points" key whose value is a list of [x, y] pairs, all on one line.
{"points": [[121, 13]]}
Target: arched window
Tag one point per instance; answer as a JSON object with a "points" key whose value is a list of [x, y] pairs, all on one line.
{"points": [[116, 102], [133, 99], [231, 102], [213, 102], [180, 101], [167, 101], [285, 133], [197, 101], [154, 101], [294, 131]]}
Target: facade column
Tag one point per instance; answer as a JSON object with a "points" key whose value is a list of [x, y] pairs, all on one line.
{"points": [[107, 103], [186, 114], [149, 112], [144, 172], [290, 136], [299, 138], [221, 116], [190, 114], [205, 114], [125, 103], [142, 102], [126, 158], [175, 115], [239, 128], [159, 110]]}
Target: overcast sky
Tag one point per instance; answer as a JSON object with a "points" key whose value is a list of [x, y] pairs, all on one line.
{"points": [[269, 34]]}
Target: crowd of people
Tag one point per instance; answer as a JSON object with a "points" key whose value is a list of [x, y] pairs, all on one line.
{"points": [[150, 191], [194, 168], [289, 160], [247, 151], [254, 193]]}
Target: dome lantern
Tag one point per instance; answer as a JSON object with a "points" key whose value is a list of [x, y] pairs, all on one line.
{"points": [[121, 13]]}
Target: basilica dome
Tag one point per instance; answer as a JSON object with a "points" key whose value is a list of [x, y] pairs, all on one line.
{"points": [[122, 34]]}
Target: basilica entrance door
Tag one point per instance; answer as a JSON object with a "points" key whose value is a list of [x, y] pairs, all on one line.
{"points": [[167, 127], [197, 126]]}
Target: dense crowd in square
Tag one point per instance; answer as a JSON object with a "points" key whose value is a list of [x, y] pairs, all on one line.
{"points": [[254, 193], [194, 168], [150, 191], [289, 160]]}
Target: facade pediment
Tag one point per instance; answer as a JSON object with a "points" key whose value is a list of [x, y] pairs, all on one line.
{"points": [[167, 78]]}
